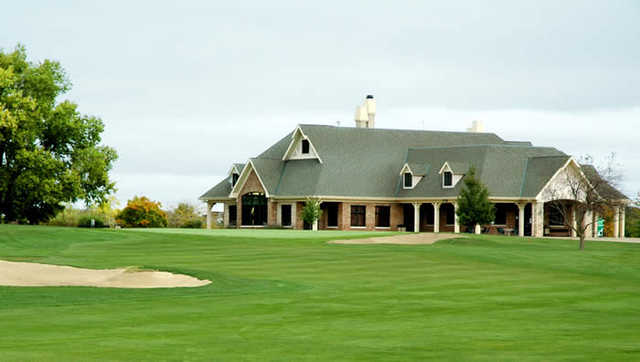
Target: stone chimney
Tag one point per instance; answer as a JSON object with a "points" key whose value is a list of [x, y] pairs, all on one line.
{"points": [[476, 127], [366, 113]]}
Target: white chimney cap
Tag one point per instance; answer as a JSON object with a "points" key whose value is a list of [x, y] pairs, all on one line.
{"points": [[371, 104]]}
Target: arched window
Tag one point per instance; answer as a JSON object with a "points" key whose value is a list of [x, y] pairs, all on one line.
{"points": [[234, 179], [305, 146], [254, 209]]}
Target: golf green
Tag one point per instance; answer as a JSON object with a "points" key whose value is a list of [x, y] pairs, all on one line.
{"points": [[288, 295]]}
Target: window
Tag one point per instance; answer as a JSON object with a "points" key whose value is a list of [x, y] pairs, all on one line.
{"points": [[358, 215], [448, 179], [286, 215], [234, 179], [408, 180], [305, 146], [332, 215], [383, 216]]}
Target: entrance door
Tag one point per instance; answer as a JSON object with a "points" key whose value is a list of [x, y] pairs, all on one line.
{"points": [[254, 209], [408, 217]]}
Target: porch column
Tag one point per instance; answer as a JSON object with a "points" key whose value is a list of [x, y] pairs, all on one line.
{"points": [[478, 229], [209, 214], [521, 208], [456, 225], [436, 216], [416, 217], [294, 217], [623, 222], [225, 217], [574, 222], [538, 219], [616, 222], [588, 230]]}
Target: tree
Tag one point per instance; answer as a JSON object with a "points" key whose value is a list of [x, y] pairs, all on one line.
{"points": [[311, 212], [142, 212], [474, 207], [50, 154], [586, 191], [184, 215]]}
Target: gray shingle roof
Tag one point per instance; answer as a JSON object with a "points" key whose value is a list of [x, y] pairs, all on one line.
{"points": [[362, 162]]}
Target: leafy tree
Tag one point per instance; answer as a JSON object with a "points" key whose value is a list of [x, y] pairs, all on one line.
{"points": [[142, 212], [311, 212], [49, 152], [473, 202], [185, 215]]}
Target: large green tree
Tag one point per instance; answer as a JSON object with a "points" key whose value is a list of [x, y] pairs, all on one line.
{"points": [[474, 206], [49, 152]]}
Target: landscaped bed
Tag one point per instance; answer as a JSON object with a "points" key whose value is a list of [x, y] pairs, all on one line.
{"points": [[283, 295]]}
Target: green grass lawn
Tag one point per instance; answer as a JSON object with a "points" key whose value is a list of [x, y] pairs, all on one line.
{"points": [[287, 295]]}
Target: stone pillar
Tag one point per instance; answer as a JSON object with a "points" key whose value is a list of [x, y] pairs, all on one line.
{"points": [[623, 221], [521, 220], [209, 214], [436, 216], [416, 217], [616, 222], [574, 222], [225, 216], [456, 225], [538, 219]]}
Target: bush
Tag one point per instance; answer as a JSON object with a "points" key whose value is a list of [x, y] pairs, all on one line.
{"points": [[192, 224], [142, 212], [85, 221]]}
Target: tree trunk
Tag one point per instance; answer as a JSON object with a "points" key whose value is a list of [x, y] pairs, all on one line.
{"points": [[582, 242]]}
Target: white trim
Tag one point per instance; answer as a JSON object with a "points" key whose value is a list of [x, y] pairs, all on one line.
{"points": [[252, 226], [569, 161], [357, 227], [292, 144], [383, 227], [333, 198], [446, 164], [244, 176], [406, 166]]}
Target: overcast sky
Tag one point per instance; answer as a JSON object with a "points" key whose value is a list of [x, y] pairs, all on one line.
{"points": [[185, 88]]}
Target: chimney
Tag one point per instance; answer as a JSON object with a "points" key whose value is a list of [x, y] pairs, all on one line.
{"points": [[361, 117], [476, 127], [366, 113]]}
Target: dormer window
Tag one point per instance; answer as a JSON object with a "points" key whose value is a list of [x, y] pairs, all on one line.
{"points": [[408, 180], [305, 147], [447, 179], [234, 179]]}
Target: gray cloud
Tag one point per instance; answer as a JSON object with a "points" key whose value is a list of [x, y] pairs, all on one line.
{"points": [[187, 88]]}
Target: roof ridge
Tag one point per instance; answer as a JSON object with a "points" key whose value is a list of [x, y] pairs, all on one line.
{"points": [[475, 145], [402, 130]]}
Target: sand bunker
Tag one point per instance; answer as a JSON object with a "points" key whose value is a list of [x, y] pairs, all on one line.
{"points": [[41, 275], [403, 239]]}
